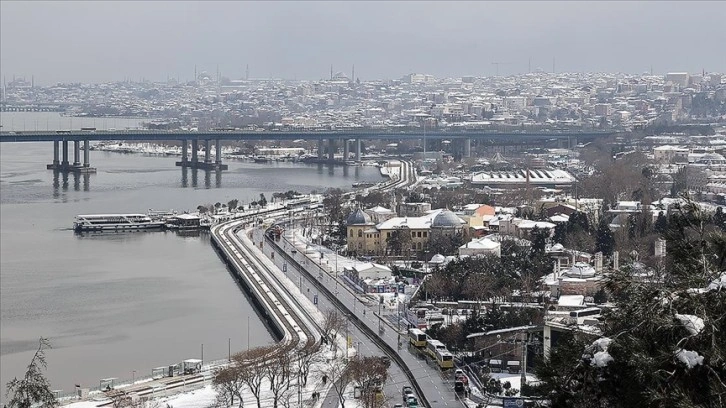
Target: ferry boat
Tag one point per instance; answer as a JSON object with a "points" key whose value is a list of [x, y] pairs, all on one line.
{"points": [[115, 222]]}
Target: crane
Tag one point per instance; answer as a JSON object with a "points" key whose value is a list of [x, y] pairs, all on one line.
{"points": [[498, 64]]}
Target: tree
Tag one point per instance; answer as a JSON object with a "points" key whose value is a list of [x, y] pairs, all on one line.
{"points": [[370, 374], [262, 201], [339, 376], [33, 389], [277, 370], [232, 204], [604, 240], [305, 359], [202, 209], [251, 365], [228, 383], [663, 345], [399, 241]]}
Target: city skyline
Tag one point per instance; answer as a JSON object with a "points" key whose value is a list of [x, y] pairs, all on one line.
{"points": [[103, 42]]}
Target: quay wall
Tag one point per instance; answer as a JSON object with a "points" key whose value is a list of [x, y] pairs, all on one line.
{"points": [[273, 326]]}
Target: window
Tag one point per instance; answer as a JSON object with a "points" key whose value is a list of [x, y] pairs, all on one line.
{"points": [[388, 235], [351, 233], [419, 234], [418, 245], [425, 234], [360, 233], [413, 234]]}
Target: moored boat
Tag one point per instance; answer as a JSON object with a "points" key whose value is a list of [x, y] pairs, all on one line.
{"points": [[115, 222]]}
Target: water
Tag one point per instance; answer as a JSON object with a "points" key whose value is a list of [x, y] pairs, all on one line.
{"points": [[113, 304]]}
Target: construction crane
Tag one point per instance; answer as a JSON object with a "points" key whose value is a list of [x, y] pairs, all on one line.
{"points": [[498, 64]]}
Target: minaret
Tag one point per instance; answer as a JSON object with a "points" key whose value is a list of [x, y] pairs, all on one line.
{"points": [[331, 72], [247, 73]]}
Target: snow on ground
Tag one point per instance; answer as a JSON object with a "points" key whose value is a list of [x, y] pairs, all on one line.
{"points": [[514, 379]]}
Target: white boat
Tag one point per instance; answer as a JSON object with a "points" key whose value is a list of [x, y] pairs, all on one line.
{"points": [[115, 222]]}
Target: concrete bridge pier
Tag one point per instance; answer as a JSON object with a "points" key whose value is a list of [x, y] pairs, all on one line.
{"points": [[195, 149], [185, 153], [207, 164], [346, 150], [86, 154], [218, 156], [64, 163], [357, 150], [56, 155], [331, 149], [207, 157], [76, 167], [467, 148], [76, 153]]}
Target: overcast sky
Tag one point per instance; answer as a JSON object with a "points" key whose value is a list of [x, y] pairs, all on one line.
{"points": [[96, 41]]}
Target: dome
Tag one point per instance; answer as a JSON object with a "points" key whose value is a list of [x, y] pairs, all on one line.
{"points": [[581, 270], [437, 259], [446, 219], [557, 248], [358, 218]]}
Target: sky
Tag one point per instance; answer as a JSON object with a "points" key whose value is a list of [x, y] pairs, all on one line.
{"points": [[101, 41]]}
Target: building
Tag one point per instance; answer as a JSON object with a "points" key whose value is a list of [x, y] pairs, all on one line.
{"points": [[365, 237], [522, 178], [670, 154], [480, 247]]}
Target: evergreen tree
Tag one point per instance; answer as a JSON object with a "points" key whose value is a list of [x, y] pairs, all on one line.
{"points": [[33, 389], [604, 240], [664, 343], [661, 224], [539, 239]]}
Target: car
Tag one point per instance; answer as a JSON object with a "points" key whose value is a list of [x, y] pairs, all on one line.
{"points": [[406, 391], [458, 373], [398, 406], [411, 402]]}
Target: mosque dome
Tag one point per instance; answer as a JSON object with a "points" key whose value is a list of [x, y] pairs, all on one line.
{"points": [[446, 219], [358, 217]]}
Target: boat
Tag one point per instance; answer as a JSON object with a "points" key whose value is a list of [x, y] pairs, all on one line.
{"points": [[363, 184], [115, 222], [261, 159]]}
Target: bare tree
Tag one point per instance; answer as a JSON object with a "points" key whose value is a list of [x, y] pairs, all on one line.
{"points": [[333, 323], [338, 374], [277, 371], [34, 388], [370, 374], [228, 383], [306, 359], [251, 367]]}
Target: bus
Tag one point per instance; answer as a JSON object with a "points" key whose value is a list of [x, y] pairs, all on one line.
{"points": [[417, 337], [444, 359], [433, 345]]}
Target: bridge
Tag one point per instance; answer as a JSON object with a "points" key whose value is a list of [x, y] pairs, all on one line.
{"points": [[461, 138]]}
